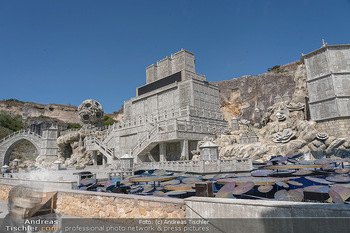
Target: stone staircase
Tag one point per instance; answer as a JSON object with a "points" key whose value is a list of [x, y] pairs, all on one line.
{"points": [[147, 143], [143, 146], [103, 148], [99, 145], [32, 203]]}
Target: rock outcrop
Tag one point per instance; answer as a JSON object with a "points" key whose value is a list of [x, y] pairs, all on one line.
{"points": [[292, 136], [64, 113], [71, 148], [249, 96], [283, 128]]}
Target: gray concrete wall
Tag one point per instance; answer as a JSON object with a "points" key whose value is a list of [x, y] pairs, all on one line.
{"points": [[182, 60], [243, 215], [328, 82], [192, 101], [39, 183], [335, 127]]}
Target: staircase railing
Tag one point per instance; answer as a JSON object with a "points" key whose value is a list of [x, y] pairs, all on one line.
{"points": [[103, 148], [145, 141], [109, 133]]}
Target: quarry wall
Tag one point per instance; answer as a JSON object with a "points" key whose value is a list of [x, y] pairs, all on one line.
{"points": [[249, 97], [64, 113]]}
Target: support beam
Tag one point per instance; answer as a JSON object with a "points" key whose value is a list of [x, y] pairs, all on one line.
{"points": [[162, 152], [184, 150], [104, 160], [94, 157]]}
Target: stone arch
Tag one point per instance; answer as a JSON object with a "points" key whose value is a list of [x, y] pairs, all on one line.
{"points": [[6, 147]]}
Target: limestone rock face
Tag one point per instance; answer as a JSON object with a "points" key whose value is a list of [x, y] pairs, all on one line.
{"points": [[244, 96], [284, 119], [295, 135], [300, 90], [284, 128], [65, 113]]}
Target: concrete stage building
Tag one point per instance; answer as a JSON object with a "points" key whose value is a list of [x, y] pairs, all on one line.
{"points": [[175, 110]]}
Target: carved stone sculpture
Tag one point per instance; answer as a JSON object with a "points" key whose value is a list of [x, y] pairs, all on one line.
{"points": [[233, 140], [282, 113], [91, 113], [227, 132], [244, 122], [296, 107], [257, 125], [280, 116], [195, 155], [322, 136], [267, 115], [284, 136], [270, 109]]}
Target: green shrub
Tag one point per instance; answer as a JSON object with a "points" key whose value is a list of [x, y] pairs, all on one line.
{"points": [[276, 69], [14, 100], [43, 117], [273, 68], [4, 132], [9, 121], [74, 126], [108, 120]]}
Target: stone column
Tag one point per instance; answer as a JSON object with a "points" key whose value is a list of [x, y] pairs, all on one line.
{"points": [[184, 149], [78, 180], [94, 157], [162, 152], [104, 160]]}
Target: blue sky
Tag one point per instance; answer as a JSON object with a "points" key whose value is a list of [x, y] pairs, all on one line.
{"points": [[67, 51]]}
